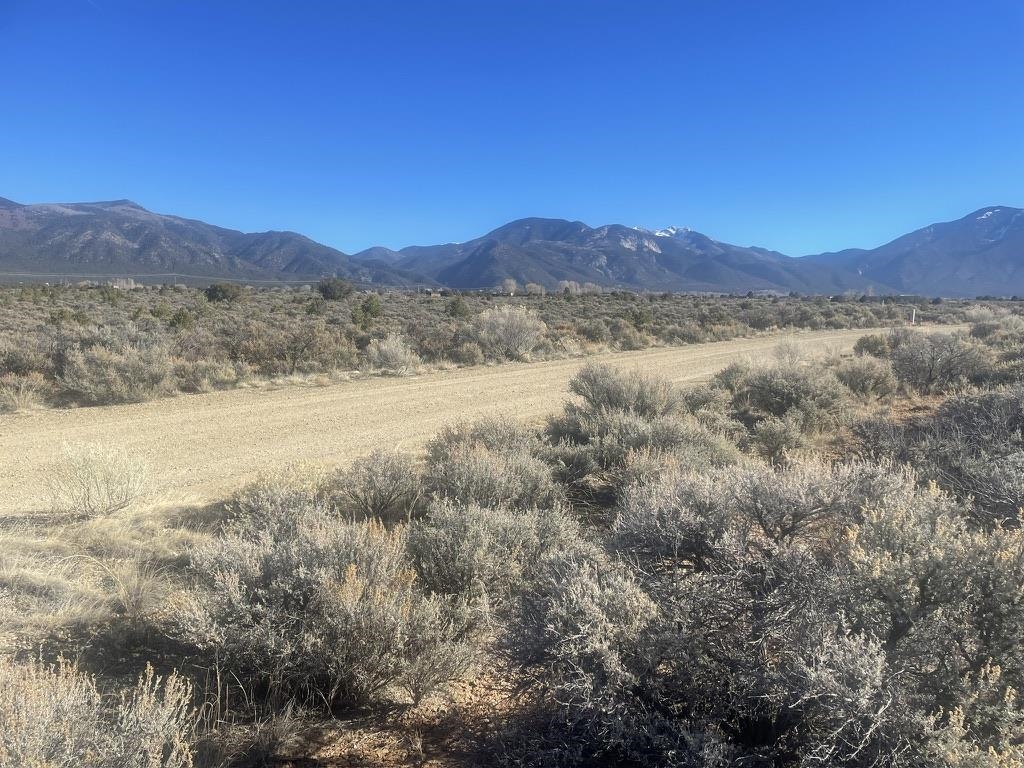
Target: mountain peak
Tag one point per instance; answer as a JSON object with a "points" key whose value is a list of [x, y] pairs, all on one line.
{"points": [[993, 211], [528, 230], [673, 231], [118, 204]]}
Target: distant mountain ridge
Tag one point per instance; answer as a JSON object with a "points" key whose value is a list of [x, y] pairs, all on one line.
{"points": [[980, 254], [547, 251], [120, 237]]}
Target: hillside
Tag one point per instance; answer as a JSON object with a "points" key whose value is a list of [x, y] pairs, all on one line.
{"points": [[980, 254], [547, 251], [122, 238]]}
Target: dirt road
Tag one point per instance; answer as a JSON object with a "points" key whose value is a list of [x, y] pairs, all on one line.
{"points": [[200, 447]]}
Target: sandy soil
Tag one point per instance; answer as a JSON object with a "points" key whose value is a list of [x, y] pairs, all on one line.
{"points": [[201, 447]]}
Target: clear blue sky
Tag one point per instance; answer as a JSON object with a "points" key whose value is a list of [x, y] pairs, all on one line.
{"points": [[800, 126]]}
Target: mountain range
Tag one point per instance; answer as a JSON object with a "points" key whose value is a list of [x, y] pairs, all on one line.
{"points": [[979, 254]]}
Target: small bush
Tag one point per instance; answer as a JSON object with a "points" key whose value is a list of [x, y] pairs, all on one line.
{"points": [[495, 433], [873, 345], [334, 288], [55, 716], [816, 396], [223, 292], [92, 480], [327, 612], [867, 377], [457, 308], [102, 376], [204, 375], [626, 336], [471, 474], [473, 552], [775, 439], [467, 353], [383, 486], [392, 355], [594, 330], [604, 388], [21, 392], [938, 362], [509, 333]]}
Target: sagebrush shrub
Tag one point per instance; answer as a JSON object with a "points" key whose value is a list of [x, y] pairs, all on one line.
{"points": [[93, 479], [474, 552], [867, 377], [972, 447], [508, 332], [392, 354], [55, 716], [328, 612], [775, 439], [19, 392], [874, 345], [815, 615], [385, 485], [938, 362], [102, 376], [495, 433], [604, 388], [812, 395], [476, 474]]}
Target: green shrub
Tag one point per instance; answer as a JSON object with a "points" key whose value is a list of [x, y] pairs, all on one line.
{"points": [[873, 345], [457, 308], [594, 330], [812, 394], [775, 439]]}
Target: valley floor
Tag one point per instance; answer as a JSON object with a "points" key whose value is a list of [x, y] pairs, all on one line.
{"points": [[201, 447]]}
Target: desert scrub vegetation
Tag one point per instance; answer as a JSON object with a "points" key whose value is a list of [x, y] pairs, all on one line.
{"points": [[801, 562], [93, 479], [300, 604], [98, 345], [392, 355], [56, 716], [508, 332]]}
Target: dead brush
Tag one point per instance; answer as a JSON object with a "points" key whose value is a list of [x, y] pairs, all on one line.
{"points": [[134, 590], [21, 392], [239, 731], [92, 479]]}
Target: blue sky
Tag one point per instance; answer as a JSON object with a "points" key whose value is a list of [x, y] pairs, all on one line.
{"points": [[799, 126]]}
